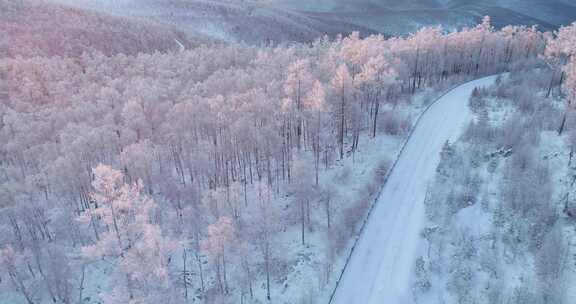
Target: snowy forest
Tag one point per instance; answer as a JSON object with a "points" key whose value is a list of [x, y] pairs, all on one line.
{"points": [[139, 164]]}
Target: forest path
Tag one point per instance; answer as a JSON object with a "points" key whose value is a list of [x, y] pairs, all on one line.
{"points": [[381, 265]]}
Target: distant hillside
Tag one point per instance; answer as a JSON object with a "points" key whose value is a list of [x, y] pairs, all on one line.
{"points": [[248, 21], [261, 21], [33, 28], [404, 16]]}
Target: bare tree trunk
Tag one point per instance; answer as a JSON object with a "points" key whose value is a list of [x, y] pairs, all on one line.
{"points": [[317, 160], [185, 274], [219, 276], [308, 221], [267, 266], [374, 123], [224, 273], [200, 271], [129, 286], [342, 118], [414, 78], [327, 205], [81, 288], [562, 75], [550, 85], [117, 230], [562, 125], [19, 284], [302, 222]]}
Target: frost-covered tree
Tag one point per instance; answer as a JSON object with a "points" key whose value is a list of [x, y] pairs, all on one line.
{"points": [[265, 229], [131, 237], [302, 186], [560, 52], [342, 86], [9, 262], [216, 245], [315, 103]]}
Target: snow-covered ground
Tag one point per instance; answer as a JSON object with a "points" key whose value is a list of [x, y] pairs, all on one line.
{"points": [[496, 230], [380, 267]]}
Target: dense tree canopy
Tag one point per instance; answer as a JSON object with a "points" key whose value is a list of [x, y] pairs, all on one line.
{"points": [[117, 156]]}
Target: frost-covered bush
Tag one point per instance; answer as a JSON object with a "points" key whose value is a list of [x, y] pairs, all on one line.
{"points": [[422, 283], [477, 103], [391, 123]]}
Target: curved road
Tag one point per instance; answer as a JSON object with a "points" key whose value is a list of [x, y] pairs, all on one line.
{"points": [[380, 268]]}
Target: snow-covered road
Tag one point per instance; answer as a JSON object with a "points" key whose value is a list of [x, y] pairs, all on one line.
{"points": [[380, 268]]}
